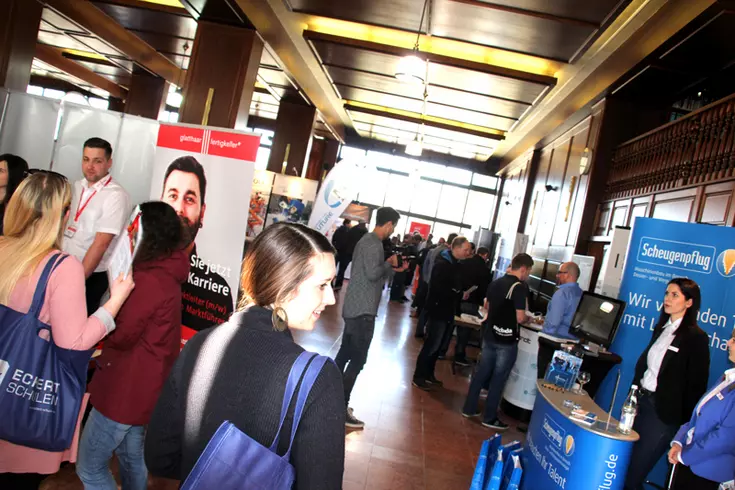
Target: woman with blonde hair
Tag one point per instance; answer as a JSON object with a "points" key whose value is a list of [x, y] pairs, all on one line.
{"points": [[33, 226], [237, 371]]}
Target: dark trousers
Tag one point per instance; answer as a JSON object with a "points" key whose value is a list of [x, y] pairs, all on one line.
{"points": [[21, 481], [437, 331], [97, 284], [420, 297], [353, 352], [495, 365], [463, 338], [398, 288], [654, 442], [343, 261], [684, 479], [421, 324]]}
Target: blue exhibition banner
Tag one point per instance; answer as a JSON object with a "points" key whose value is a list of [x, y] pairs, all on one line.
{"points": [[658, 252], [559, 454]]}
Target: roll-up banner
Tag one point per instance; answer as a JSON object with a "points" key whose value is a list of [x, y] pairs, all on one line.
{"points": [[207, 176], [336, 193], [658, 252]]}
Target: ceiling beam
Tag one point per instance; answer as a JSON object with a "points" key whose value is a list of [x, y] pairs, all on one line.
{"points": [[53, 57], [140, 4], [432, 57], [531, 13], [416, 118], [636, 33], [84, 13]]}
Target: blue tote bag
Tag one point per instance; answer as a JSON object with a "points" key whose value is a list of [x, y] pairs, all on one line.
{"points": [[41, 384], [233, 460]]}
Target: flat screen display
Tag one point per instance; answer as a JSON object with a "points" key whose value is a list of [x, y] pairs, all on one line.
{"points": [[597, 318]]}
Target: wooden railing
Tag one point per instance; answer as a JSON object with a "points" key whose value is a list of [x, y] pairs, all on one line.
{"points": [[696, 149]]}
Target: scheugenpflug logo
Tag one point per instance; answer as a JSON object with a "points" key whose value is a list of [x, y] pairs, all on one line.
{"points": [[687, 256]]}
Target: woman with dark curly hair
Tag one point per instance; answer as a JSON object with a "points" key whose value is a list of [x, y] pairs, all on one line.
{"points": [[12, 172], [137, 357]]}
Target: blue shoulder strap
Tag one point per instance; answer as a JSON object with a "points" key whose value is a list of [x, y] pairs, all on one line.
{"points": [[309, 378], [297, 370], [40, 295]]}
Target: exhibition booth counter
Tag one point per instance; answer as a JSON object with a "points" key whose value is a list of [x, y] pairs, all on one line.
{"points": [[563, 453]]}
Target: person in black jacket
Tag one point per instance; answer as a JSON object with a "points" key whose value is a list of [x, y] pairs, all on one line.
{"points": [[353, 236], [475, 274], [442, 303], [672, 376], [339, 241], [13, 169], [238, 371]]}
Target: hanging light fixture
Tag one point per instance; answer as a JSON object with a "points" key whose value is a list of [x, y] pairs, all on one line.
{"points": [[412, 68], [414, 148]]}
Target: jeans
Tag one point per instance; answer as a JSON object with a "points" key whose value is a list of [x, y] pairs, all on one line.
{"points": [[436, 332], [654, 442], [495, 365], [353, 352], [421, 324], [102, 437]]}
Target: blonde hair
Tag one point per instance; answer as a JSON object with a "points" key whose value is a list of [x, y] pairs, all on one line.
{"points": [[33, 226]]}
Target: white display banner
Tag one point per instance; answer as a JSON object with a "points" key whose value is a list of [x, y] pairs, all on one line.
{"points": [[207, 176], [520, 390], [133, 156], [78, 124], [337, 192], [259, 197], [29, 128]]}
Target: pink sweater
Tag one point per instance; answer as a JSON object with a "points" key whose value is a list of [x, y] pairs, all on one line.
{"points": [[66, 311]]}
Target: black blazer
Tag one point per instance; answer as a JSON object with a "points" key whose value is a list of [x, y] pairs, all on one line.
{"points": [[682, 379]]}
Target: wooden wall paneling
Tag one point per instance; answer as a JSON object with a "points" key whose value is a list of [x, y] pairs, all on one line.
{"points": [[674, 206], [639, 209], [715, 204], [538, 192], [620, 212], [569, 188], [603, 218], [532, 166], [552, 198]]}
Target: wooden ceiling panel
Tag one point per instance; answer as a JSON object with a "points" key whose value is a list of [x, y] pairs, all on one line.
{"points": [[438, 94], [267, 59], [265, 98], [505, 30], [167, 44], [61, 23], [585, 10], [96, 45], [707, 50], [61, 41], [401, 14], [105, 70], [138, 19], [416, 106], [274, 77], [340, 56], [45, 26]]}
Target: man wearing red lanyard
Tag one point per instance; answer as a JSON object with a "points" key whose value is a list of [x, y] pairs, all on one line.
{"points": [[99, 211]]}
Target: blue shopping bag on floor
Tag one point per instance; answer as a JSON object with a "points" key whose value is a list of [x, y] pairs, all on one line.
{"points": [[233, 460], [496, 473], [513, 472], [488, 453], [41, 384]]}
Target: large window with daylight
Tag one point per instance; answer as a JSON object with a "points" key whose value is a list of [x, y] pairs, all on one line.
{"points": [[450, 200]]}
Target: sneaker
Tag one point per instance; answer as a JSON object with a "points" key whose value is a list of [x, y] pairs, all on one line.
{"points": [[461, 361], [469, 416], [496, 424], [353, 422], [435, 382], [422, 384]]}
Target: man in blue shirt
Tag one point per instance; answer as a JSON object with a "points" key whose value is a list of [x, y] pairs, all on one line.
{"points": [[563, 304]]}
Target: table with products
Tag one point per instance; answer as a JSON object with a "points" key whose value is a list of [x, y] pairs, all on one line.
{"points": [[561, 453]]}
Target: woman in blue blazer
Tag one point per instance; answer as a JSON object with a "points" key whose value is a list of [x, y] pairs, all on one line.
{"points": [[704, 448]]}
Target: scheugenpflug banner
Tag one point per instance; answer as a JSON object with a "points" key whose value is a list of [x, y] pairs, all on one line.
{"points": [[338, 191], [206, 175]]}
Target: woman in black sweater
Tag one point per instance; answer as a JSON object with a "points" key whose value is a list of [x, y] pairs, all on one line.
{"points": [[286, 283], [672, 376]]}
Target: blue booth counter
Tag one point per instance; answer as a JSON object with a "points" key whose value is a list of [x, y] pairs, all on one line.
{"points": [[561, 453]]}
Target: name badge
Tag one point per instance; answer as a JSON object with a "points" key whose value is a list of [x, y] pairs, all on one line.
{"points": [[673, 349], [719, 396], [70, 231]]}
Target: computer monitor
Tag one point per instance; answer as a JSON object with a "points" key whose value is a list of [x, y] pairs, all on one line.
{"points": [[597, 318]]}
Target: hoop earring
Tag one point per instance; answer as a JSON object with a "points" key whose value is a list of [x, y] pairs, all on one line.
{"points": [[279, 318]]}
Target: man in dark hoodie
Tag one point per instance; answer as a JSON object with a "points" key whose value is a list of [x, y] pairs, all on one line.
{"points": [[352, 236], [445, 292], [339, 241]]}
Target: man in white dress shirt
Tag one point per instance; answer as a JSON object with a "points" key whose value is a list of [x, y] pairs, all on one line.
{"points": [[100, 209]]}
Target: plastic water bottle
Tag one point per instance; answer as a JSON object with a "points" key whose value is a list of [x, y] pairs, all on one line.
{"points": [[630, 409]]}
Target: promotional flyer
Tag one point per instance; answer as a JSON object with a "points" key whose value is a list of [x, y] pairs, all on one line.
{"points": [[259, 197], [206, 176], [658, 252]]}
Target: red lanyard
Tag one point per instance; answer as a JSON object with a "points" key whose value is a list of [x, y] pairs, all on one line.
{"points": [[81, 207]]}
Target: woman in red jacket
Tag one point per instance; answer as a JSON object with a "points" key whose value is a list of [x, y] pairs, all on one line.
{"points": [[137, 357]]}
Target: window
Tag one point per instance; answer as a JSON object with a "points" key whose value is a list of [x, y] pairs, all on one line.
{"points": [[261, 159], [34, 90], [457, 176], [373, 192], [452, 203], [485, 181], [432, 170], [480, 209], [350, 152], [399, 192], [98, 103], [426, 198], [53, 94], [442, 230], [266, 136]]}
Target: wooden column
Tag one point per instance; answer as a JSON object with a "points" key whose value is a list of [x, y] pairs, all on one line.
{"points": [[224, 63], [147, 95], [322, 158], [19, 22], [294, 128]]}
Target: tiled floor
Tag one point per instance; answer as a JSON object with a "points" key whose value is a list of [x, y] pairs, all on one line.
{"points": [[412, 439]]}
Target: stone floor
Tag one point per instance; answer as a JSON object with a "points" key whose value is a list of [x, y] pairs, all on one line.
{"points": [[412, 439]]}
